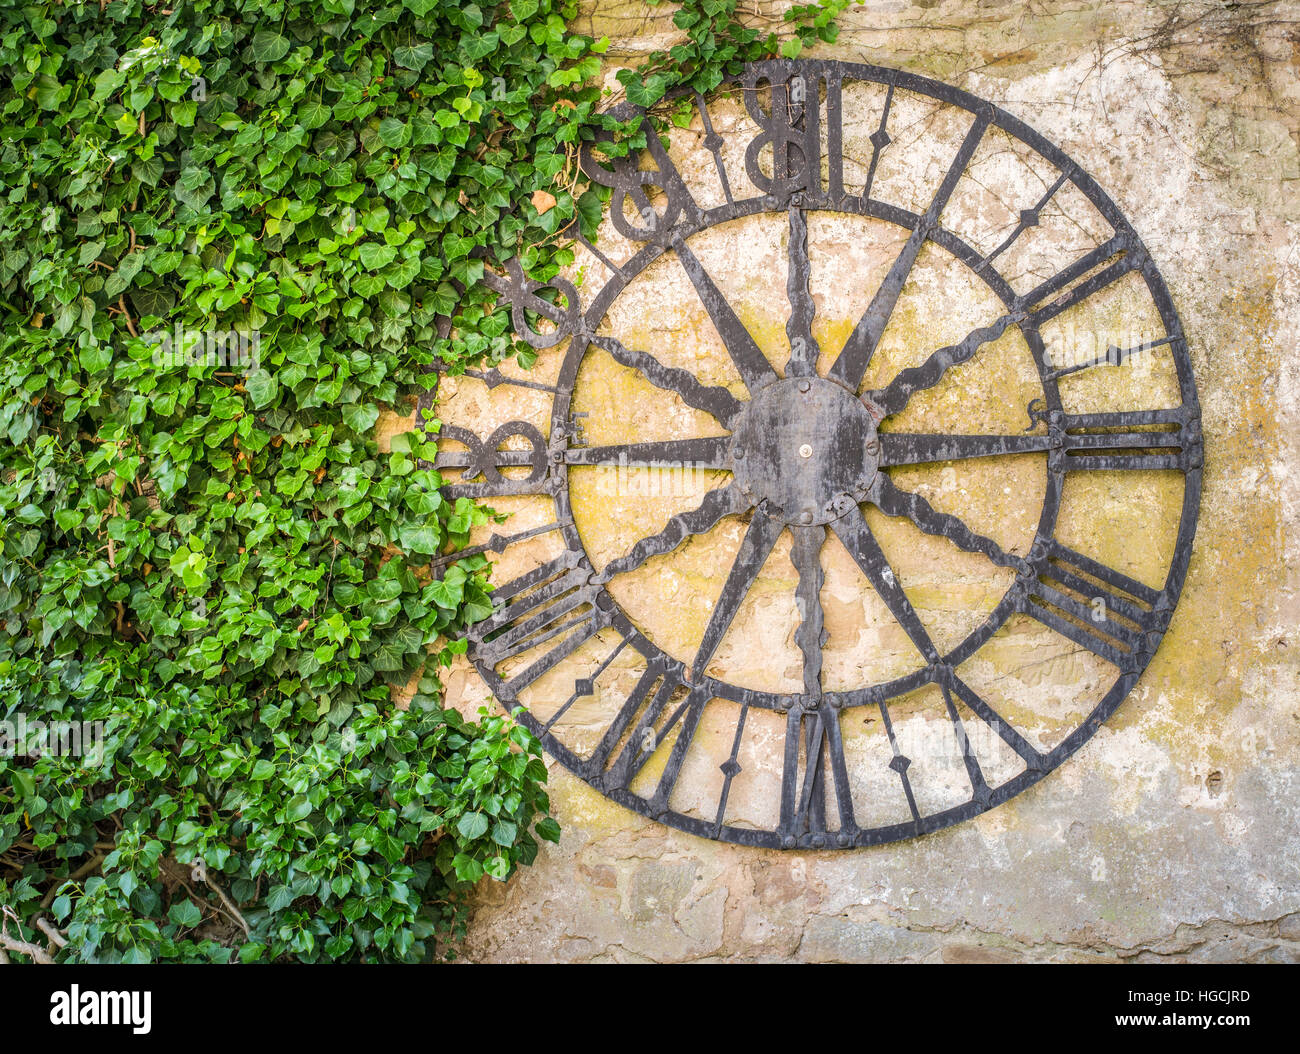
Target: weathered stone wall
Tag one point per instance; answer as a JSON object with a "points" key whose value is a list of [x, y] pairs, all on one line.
{"points": [[1173, 833]]}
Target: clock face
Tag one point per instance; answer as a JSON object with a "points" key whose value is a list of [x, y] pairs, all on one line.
{"points": [[924, 392]]}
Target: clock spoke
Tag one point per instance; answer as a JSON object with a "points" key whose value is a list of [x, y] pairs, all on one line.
{"points": [[713, 400], [821, 729], [708, 452], [895, 502], [810, 636], [893, 397], [751, 363], [717, 503], [852, 530], [804, 351], [853, 360], [909, 448], [760, 537]]}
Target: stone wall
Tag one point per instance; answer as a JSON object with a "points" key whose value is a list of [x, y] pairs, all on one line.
{"points": [[1173, 833]]}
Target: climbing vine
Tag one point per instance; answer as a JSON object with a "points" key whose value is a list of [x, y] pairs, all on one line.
{"points": [[232, 233]]}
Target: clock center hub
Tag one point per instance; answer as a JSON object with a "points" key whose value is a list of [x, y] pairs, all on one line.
{"points": [[808, 447]]}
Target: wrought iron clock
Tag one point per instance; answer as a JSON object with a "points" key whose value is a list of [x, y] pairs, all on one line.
{"points": [[805, 446]]}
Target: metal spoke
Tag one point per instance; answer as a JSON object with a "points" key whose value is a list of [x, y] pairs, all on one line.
{"points": [[911, 448], [712, 400], [895, 502], [708, 452], [804, 351], [811, 634], [853, 360], [763, 531], [852, 530], [717, 503], [753, 366], [894, 396]]}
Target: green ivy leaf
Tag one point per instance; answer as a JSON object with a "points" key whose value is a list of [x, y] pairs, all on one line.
{"points": [[185, 913], [472, 825], [268, 46]]}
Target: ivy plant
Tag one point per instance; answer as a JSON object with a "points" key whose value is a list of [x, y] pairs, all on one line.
{"points": [[232, 233]]}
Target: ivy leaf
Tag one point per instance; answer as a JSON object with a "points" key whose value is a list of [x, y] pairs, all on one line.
{"points": [[413, 58], [313, 114], [279, 898], [644, 93], [415, 538], [215, 546], [94, 358], [360, 419], [269, 46], [394, 132], [262, 388], [472, 825], [590, 213], [375, 256], [185, 914], [299, 808]]}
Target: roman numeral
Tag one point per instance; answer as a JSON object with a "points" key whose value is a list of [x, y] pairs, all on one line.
{"points": [[657, 706], [1114, 355], [553, 602], [815, 734], [484, 459], [629, 181], [498, 543], [1089, 274], [1028, 218], [1109, 613], [1131, 440], [805, 90]]}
